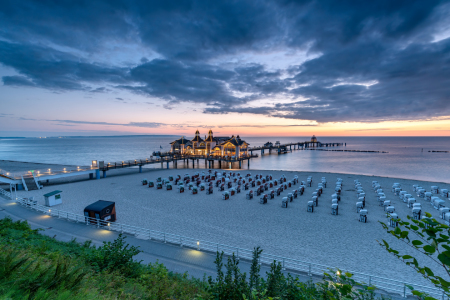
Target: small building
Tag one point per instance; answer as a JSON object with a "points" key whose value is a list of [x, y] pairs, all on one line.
{"points": [[314, 139], [101, 210], [53, 198], [268, 144]]}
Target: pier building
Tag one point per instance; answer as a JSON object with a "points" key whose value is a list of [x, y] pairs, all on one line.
{"points": [[210, 146]]}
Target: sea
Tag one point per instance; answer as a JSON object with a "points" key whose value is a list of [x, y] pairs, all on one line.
{"points": [[406, 157]]}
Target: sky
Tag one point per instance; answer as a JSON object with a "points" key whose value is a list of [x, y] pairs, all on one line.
{"points": [[248, 67]]}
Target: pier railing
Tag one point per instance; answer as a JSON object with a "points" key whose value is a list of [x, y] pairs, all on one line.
{"points": [[45, 172], [289, 264]]}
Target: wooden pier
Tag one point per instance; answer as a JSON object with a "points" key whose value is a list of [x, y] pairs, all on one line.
{"points": [[210, 160], [168, 158], [283, 148]]}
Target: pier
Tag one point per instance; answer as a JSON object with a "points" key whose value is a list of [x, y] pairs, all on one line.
{"points": [[165, 158], [288, 147]]}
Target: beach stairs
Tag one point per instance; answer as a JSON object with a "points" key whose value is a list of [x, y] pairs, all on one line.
{"points": [[30, 183]]}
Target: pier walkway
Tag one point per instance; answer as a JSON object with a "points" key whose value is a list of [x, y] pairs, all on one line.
{"points": [[283, 148]]}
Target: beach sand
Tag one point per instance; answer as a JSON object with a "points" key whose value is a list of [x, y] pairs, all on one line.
{"points": [[337, 241]]}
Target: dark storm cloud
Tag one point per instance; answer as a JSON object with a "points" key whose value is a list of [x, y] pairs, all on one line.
{"points": [[386, 45], [17, 81], [49, 68], [175, 81]]}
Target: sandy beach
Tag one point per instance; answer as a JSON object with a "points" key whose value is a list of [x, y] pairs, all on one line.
{"points": [[339, 241]]}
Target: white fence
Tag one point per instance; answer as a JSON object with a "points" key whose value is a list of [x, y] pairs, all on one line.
{"points": [[382, 283]]}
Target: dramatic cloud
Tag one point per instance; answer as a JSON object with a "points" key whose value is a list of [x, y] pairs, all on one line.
{"points": [[368, 61]]}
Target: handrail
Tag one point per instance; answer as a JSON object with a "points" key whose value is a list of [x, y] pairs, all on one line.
{"points": [[382, 283]]}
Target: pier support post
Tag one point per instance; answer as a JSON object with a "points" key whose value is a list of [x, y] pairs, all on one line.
{"points": [[220, 164], [140, 169], [19, 187], [97, 174], [248, 163], [91, 175], [229, 165], [162, 165], [240, 164], [167, 165], [206, 164], [104, 174]]}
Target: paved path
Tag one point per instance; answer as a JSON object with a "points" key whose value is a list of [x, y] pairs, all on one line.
{"points": [[177, 259]]}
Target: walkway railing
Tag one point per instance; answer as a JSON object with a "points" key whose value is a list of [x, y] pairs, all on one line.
{"points": [[381, 283], [45, 172]]}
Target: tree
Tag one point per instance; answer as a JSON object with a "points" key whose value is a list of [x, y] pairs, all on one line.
{"points": [[430, 238]]}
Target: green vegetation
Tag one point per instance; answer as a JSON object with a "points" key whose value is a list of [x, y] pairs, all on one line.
{"points": [[431, 239], [34, 266]]}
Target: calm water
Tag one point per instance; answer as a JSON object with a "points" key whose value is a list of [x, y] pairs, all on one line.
{"points": [[405, 158]]}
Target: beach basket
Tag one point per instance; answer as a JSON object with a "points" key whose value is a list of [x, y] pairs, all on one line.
{"points": [[202, 187], [225, 195], [170, 178], [442, 211], [363, 201], [284, 202], [159, 185], [151, 184], [411, 202], [290, 197], [310, 207], [209, 191], [194, 190], [144, 181], [168, 187], [181, 188], [334, 209], [263, 199], [393, 222], [159, 179], [249, 195], [363, 215]]}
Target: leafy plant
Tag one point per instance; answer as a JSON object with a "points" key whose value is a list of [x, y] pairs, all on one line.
{"points": [[116, 255], [431, 239]]}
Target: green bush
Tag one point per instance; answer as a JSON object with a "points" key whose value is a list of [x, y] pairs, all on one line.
{"points": [[116, 255]]}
